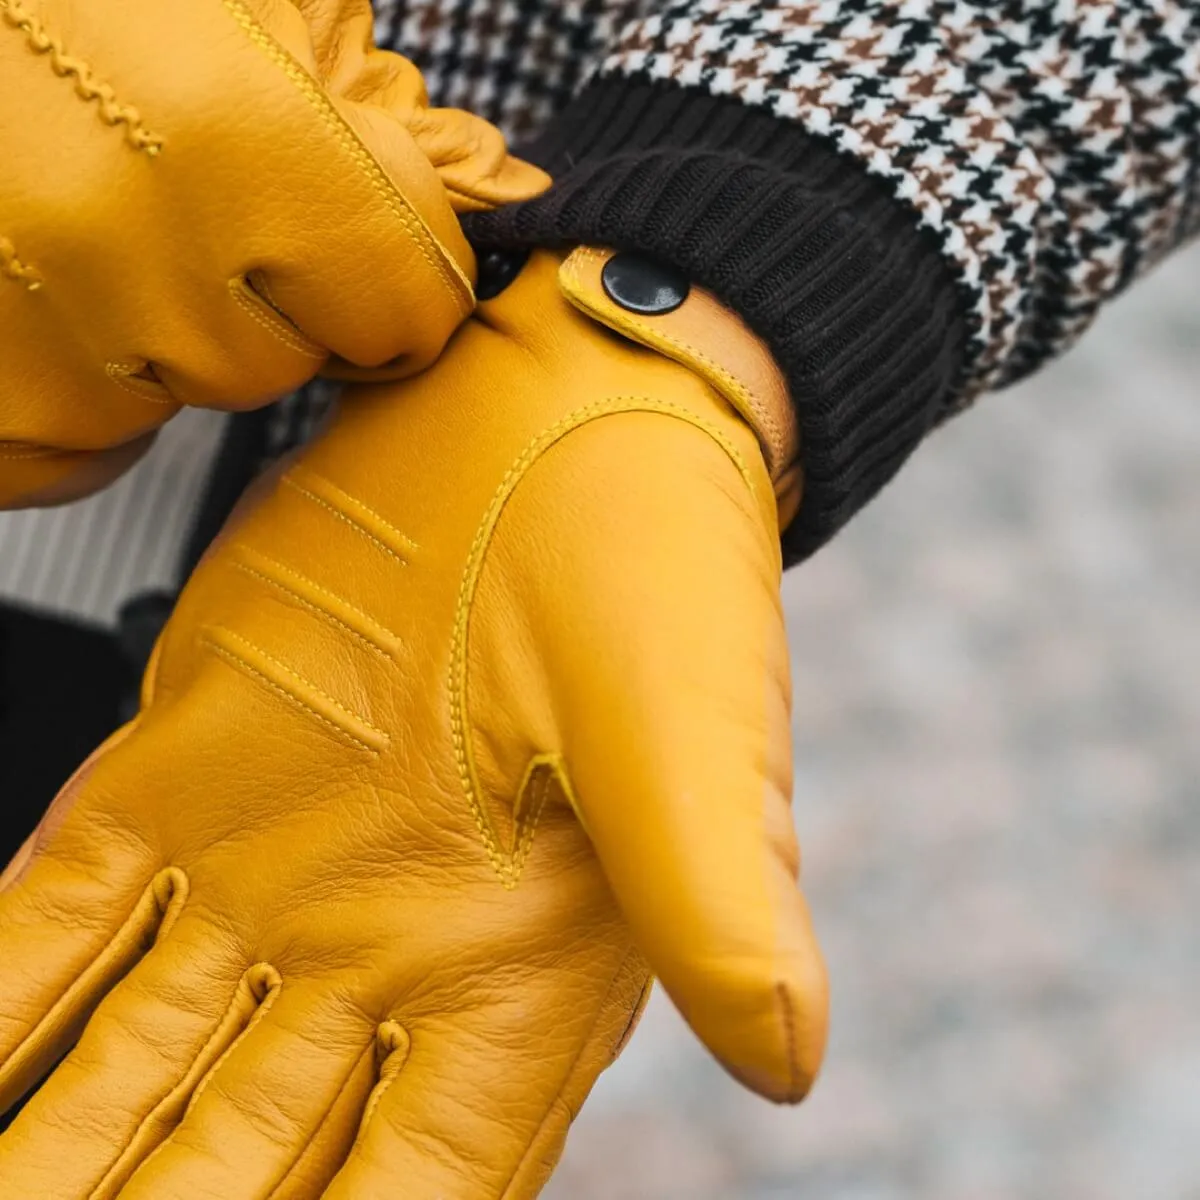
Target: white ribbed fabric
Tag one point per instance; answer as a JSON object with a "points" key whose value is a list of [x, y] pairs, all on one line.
{"points": [[86, 559]]}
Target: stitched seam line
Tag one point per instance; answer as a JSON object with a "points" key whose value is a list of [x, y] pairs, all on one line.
{"points": [[450, 275], [376, 1098], [505, 865], [87, 86], [382, 631], [65, 1000], [241, 664], [378, 1093], [313, 608], [274, 325], [290, 1170], [255, 1017], [307, 683], [121, 376], [365, 509], [345, 518], [735, 385], [584, 1045], [27, 455], [789, 1033], [12, 267], [528, 823], [535, 813], [259, 1013], [743, 393]]}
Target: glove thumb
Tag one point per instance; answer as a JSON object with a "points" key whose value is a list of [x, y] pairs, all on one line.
{"points": [[649, 648]]}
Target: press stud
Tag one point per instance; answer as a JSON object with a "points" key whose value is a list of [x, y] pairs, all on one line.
{"points": [[644, 285], [497, 269]]}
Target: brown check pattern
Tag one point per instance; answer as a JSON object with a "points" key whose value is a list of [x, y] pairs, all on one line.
{"points": [[1053, 148]]}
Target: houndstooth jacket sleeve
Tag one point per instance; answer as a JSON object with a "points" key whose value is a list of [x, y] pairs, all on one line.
{"points": [[1044, 152], [912, 200], [1053, 146]]}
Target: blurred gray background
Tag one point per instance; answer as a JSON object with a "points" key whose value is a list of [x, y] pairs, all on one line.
{"points": [[998, 790]]}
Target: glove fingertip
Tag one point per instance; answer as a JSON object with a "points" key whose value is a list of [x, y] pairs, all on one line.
{"points": [[768, 1030], [789, 1075]]}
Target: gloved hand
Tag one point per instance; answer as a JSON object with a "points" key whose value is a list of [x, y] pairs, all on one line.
{"points": [[200, 202], [484, 690]]}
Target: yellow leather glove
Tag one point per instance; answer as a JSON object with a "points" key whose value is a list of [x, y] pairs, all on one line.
{"points": [[485, 689], [200, 201]]}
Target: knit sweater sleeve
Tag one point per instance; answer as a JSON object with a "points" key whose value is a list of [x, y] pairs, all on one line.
{"points": [[913, 201]]}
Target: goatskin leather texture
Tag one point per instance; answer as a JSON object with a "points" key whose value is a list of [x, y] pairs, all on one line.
{"points": [[206, 202], [476, 713]]}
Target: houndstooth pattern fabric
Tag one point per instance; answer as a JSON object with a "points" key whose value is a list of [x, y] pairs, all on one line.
{"points": [[1051, 145], [516, 62]]}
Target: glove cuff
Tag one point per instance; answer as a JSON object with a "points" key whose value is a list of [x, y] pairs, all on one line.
{"points": [[632, 296], [814, 254]]}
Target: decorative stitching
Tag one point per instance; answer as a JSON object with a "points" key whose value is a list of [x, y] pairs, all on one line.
{"points": [[261, 978], [345, 517], [365, 509], [398, 1042], [300, 679], [385, 634], [748, 408], [633, 957], [795, 1092], [167, 892], [545, 767], [86, 85], [255, 978], [304, 602], [275, 325], [12, 267], [508, 866], [241, 664], [123, 377], [529, 820], [314, 1138], [447, 270]]}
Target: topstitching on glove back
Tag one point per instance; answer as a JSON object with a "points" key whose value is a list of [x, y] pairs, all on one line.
{"points": [[201, 202]]}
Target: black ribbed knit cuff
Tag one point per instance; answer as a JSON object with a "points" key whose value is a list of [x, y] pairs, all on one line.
{"points": [[817, 257]]}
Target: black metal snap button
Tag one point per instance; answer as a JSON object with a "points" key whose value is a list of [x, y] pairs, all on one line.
{"points": [[497, 269], [644, 285]]}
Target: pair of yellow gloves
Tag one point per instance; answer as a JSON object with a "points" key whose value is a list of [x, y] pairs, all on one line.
{"points": [[478, 711]]}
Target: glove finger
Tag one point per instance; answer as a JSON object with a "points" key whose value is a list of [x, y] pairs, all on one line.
{"points": [[378, 268], [476, 1104], [375, 224], [124, 1087], [276, 1117], [32, 477], [79, 907], [401, 291], [469, 154], [246, 355], [664, 643]]}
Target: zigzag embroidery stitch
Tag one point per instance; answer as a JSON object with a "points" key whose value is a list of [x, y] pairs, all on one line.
{"points": [[87, 87]]}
